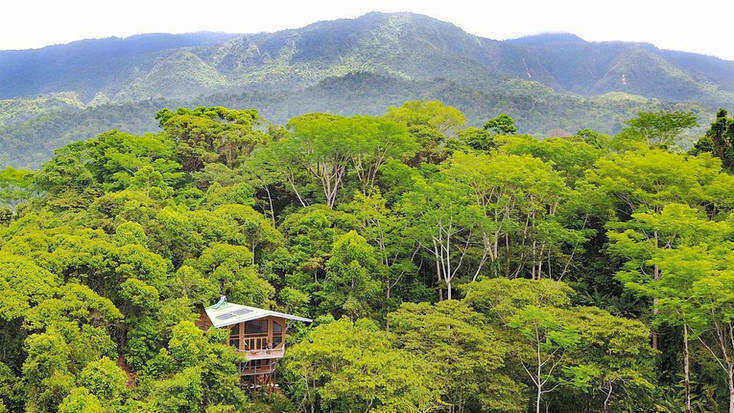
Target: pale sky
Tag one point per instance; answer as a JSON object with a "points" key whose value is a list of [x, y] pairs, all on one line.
{"points": [[703, 26]]}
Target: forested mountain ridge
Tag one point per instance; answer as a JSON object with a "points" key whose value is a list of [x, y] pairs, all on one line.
{"points": [[87, 66], [406, 45], [551, 82]]}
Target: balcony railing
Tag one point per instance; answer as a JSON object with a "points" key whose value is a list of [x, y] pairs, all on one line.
{"points": [[255, 342], [250, 370], [257, 346]]}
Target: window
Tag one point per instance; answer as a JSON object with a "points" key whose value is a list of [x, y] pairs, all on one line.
{"points": [[234, 342], [277, 334], [256, 327], [234, 335]]}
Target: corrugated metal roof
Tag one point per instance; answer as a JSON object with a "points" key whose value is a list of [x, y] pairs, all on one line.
{"points": [[227, 314]]}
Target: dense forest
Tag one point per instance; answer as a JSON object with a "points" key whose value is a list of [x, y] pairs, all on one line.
{"points": [[31, 129], [447, 268]]}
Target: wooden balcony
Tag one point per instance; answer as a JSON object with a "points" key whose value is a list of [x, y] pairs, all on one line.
{"points": [[257, 346]]}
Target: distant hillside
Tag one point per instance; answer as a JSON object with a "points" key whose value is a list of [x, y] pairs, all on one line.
{"points": [[553, 81], [537, 109], [88, 66]]}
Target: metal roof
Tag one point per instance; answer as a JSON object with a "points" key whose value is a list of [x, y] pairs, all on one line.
{"points": [[225, 314]]}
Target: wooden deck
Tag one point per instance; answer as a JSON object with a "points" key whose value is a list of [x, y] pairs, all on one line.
{"points": [[264, 354], [257, 346], [257, 368]]}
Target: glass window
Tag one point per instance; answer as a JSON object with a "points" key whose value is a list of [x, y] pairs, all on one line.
{"points": [[234, 336], [277, 334], [256, 327]]}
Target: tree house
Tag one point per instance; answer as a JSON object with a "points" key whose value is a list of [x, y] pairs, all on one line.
{"points": [[256, 332]]}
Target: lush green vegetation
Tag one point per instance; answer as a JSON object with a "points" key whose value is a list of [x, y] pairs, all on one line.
{"points": [[34, 134], [448, 268]]}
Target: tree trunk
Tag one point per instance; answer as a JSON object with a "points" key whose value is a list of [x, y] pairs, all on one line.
{"points": [[655, 277], [686, 369], [730, 374], [270, 202], [438, 271], [448, 290], [537, 399], [606, 399], [507, 256]]}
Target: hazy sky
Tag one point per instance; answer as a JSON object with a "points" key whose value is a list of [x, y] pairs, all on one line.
{"points": [[703, 26]]}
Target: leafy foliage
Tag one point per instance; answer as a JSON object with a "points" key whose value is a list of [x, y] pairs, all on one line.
{"points": [[448, 268]]}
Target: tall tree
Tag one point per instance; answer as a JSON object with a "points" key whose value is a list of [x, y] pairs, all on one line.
{"points": [[503, 124], [443, 223], [379, 139], [432, 124], [385, 230], [697, 291], [352, 366], [515, 200], [535, 314], [211, 134], [468, 353], [660, 128], [719, 140]]}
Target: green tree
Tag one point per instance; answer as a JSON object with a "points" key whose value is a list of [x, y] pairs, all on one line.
{"points": [[445, 119], [385, 230], [350, 366], [24, 285], [105, 380], [310, 233], [15, 185], [719, 140], [660, 128], [211, 134], [501, 125], [230, 268], [194, 370], [379, 140], [647, 235], [55, 359], [351, 286], [432, 124], [442, 223], [696, 291], [536, 314], [80, 400], [562, 346], [648, 179], [469, 355], [478, 139], [515, 201], [570, 157], [597, 140], [613, 360], [324, 145]]}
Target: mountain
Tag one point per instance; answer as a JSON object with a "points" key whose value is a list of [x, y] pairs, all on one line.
{"points": [[88, 66], [547, 81]]}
